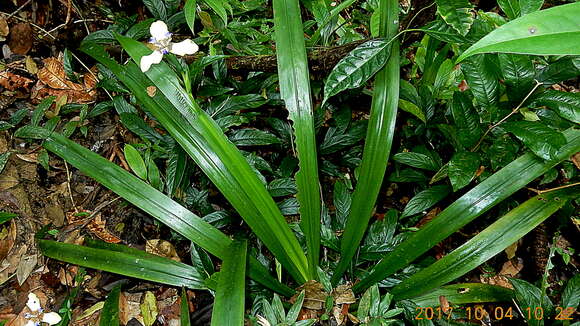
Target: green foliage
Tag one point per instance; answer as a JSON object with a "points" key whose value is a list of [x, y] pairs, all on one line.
{"points": [[110, 312], [214, 149]]}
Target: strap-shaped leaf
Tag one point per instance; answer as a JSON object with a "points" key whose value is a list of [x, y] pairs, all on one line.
{"points": [[125, 261], [491, 241], [554, 31], [153, 202], [358, 66], [465, 293], [228, 308], [294, 79], [204, 141], [477, 201], [378, 142]]}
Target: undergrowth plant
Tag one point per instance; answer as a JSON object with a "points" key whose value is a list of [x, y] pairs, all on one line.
{"points": [[478, 122]]}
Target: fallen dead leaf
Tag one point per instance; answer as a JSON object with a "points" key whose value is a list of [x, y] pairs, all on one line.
{"points": [[13, 82], [130, 307], [161, 248], [509, 269], [21, 38], [151, 90], [4, 29], [31, 158], [343, 295], [576, 160], [511, 250], [52, 81], [314, 295], [7, 243], [99, 229], [25, 267]]}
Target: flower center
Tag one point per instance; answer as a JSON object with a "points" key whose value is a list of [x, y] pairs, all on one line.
{"points": [[164, 44]]}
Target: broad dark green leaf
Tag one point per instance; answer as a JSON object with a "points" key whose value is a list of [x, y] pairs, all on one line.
{"points": [[140, 30], [135, 161], [571, 294], [378, 141], [563, 69], [184, 309], [156, 8], [189, 12], [282, 187], [342, 200], [511, 8], [153, 202], [4, 159], [417, 160], [219, 7], [228, 308], [488, 243], [566, 104], [456, 13], [462, 168], [253, 137], [529, 6], [475, 202], [518, 73], [110, 312], [358, 66], [465, 293], [483, 83], [466, 119], [125, 261], [554, 31], [294, 79], [41, 108], [426, 199], [538, 305], [413, 109], [206, 144], [67, 61], [539, 138]]}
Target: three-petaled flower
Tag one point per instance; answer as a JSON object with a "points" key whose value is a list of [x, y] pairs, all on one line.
{"points": [[37, 314], [161, 40]]}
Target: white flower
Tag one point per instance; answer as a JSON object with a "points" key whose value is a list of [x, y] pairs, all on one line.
{"points": [[161, 40], [38, 315]]}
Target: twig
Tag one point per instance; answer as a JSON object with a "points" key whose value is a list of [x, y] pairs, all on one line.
{"points": [[90, 72], [19, 8], [69, 188], [31, 24], [539, 192], [96, 210], [514, 111]]}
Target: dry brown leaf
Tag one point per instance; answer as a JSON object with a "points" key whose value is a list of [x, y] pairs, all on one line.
{"points": [[31, 158], [52, 81], [4, 29], [7, 243], [428, 217], [151, 90], [511, 250], [576, 160], [314, 295], [98, 228], [509, 269], [343, 295], [21, 38], [129, 307], [13, 82], [161, 248]]}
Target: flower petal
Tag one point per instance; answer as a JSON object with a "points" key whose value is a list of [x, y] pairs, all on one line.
{"points": [[159, 30], [51, 318], [184, 47], [147, 60], [33, 302], [30, 323]]}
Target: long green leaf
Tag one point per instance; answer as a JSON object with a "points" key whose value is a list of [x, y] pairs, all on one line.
{"points": [[465, 293], [491, 241], [554, 31], [154, 203], [358, 66], [477, 201], [184, 307], [378, 142], [126, 261], [110, 312], [206, 144], [295, 91], [228, 308]]}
